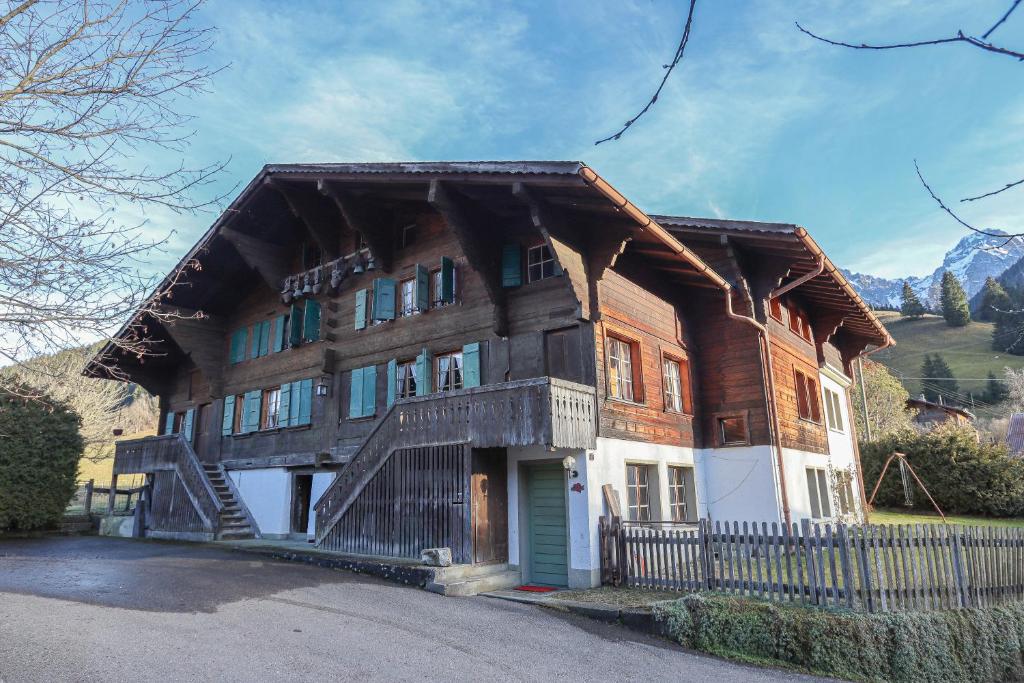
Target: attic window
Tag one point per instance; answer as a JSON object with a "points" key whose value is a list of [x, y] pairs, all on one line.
{"points": [[732, 431], [540, 263], [409, 235]]}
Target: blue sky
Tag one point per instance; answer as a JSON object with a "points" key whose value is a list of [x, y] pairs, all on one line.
{"points": [[758, 122]]}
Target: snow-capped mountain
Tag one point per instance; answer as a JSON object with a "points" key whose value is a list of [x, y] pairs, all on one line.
{"points": [[974, 258]]}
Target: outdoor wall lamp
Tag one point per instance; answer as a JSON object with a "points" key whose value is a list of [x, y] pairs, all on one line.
{"points": [[322, 387], [569, 463]]}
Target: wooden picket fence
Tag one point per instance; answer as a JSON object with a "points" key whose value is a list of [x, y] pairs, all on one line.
{"points": [[875, 568]]}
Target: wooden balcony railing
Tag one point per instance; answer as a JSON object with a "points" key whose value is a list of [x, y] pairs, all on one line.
{"points": [[544, 412], [171, 452]]}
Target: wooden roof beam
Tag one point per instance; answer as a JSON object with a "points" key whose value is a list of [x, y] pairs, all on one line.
{"points": [[201, 337], [266, 258], [361, 219], [466, 222], [322, 225]]}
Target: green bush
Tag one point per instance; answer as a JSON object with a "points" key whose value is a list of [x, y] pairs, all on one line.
{"points": [[983, 644], [39, 450], [964, 476]]}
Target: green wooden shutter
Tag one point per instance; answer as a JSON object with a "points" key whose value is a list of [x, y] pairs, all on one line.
{"points": [[511, 266], [254, 341], [355, 394], [361, 309], [447, 280], [284, 418], [423, 362], [392, 381], [383, 299], [369, 390], [264, 328], [294, 404], [251, 416], [169, 423], [279, 323], [295, 325], [311, 322], [186, 425], [422, 288], [239, 338], [228, 421], [305, 399], [471, 365]]}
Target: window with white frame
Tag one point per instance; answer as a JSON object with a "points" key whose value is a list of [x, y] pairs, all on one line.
{"points": [[405, 379], [540, 263], [448, 370], [437, 296], [270, 409], [681, 494], [620, 369], [817, 489], [833, 411], [408, 294], [638, 493], [673, 384]]}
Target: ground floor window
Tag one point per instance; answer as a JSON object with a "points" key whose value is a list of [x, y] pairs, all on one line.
{"points": [[817, 488], [732, 431], [681, 494], [638, 493], [405, 379], [448, 370]]}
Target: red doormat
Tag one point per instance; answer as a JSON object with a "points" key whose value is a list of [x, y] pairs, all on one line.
{"points": [[536, 589]]}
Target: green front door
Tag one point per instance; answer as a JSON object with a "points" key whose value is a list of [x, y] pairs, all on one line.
{"points": [[545, 486]]}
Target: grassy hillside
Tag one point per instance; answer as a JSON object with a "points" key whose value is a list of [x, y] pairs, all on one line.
{"points": [[968, 350]]}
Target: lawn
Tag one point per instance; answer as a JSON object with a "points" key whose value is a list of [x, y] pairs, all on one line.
{"points": [[922, 517]]}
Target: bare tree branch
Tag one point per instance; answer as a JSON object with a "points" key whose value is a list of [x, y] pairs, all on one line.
{"points": [[668, 72], [1001, 20], [993, 192]]}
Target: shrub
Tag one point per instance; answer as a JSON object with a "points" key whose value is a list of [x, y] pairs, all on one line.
{"points": [[982, 644], [964, 476], [39, 450]]}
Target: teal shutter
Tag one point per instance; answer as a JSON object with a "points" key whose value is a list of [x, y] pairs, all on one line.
{"points": [[279, 323], [471, 365], [369, 390], [383, 299], [295, 326], [311, 321], [254, 341], [423, 373], [422, 288], [228, 421], [294, 404], [284, 407], [238, 343], [511, 266], [169, 423], [305, 400], [447, 280], [355, 394], [251, 416], [361, 309], [264, 328], [392, 381], [186, 425]]}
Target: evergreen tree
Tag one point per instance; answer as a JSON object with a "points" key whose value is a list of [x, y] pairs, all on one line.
{"points": [[995, 390], [911, 306], [994, 300], [927, 372], [954, 301], [940, 382]]}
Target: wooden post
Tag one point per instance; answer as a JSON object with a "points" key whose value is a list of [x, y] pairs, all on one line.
{"points": [[88, 496], [704, 548], [112, 494], [139, 527]]}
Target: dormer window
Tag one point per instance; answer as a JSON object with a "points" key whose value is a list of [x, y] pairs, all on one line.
{"points": [[540, 263]]}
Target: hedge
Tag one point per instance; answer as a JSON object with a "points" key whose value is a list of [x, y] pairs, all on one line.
{"points": [[40, 446], [964, 476], [982, 644]]}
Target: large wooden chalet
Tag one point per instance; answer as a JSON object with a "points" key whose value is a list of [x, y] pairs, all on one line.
{"points": [[386, 357]]}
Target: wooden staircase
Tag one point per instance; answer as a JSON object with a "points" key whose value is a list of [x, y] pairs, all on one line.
{"points": [[235, 521]]}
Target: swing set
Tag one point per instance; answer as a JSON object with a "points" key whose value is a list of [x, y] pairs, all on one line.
{"points": [[908, 489]]}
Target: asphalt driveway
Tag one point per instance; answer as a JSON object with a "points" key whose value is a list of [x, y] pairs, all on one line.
{"points": [[89, 609]]}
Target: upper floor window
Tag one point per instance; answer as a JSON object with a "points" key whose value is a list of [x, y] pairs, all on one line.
{"points": [[405, 379], [540, 263], [448, 371], [443, 281], [237, 412], [833, 411], [270, 408], [675, 377], [799, 324], [775, 308], [408, 295], [638, 493], [817, 490], [621, 378], [409, 235], [732, 431], [807, 405]]}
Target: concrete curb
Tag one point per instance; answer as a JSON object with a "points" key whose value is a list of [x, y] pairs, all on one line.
{"points": [[640, 619]]}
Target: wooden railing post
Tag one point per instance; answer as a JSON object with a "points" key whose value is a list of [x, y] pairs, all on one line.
{"points": [[958, 570], [704, 547], [88, 495], [111, 494]]}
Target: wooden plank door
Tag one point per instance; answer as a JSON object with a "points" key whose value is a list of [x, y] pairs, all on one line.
{"points": [[548, 545], [204, 436], [489, 489]]}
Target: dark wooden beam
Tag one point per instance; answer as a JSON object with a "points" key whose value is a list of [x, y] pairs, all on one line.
{"points": [[201, 337], [470, 227], [321, 220], [602, 251], [267, 259], [563, 243], [361, 218]]}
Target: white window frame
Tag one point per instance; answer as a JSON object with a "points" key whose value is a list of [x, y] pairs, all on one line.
{"points": [[407, 295], [834, 411], [671, 373], [679, 498], [405, 379], [641, 510], [542, 259], [820, 500], [452, 381], [271, 398], [620, 369]]}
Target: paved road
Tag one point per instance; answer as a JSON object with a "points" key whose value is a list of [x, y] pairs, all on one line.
{"points": [[91, 609]]}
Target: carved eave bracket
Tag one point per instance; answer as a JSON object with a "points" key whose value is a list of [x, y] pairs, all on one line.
{"points": [[361, 219], [321, 225], [468, 226], [201, 337], [558, 237], [267, 259]]}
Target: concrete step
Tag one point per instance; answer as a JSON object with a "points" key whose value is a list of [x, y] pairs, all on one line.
{"points": [[236, 534], [462, 572], [509, 578]]}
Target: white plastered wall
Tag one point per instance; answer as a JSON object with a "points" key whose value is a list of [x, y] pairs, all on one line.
{"points": [[740, 484], [267, 494]]}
